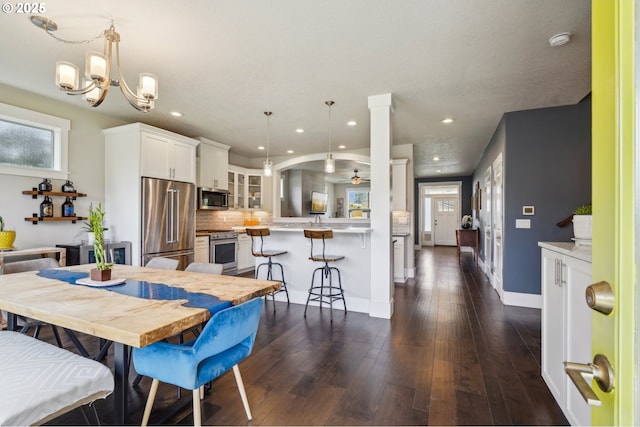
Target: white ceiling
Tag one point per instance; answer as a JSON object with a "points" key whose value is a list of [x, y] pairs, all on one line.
{"points": [[224, 62]]}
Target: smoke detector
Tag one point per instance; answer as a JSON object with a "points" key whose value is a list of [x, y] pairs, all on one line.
{"points": [[559, 39]]}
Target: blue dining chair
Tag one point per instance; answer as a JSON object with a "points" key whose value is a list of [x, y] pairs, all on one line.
{"points": [[226, 339]]}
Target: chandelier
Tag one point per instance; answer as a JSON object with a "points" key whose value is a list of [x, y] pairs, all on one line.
{"points": [[329, 163], [268, 164], [97, 73], [355, 179]]}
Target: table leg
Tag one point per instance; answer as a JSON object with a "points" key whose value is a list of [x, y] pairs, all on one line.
{"points": [[120, 392]]}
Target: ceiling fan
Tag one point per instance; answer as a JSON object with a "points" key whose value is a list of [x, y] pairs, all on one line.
{"points": [[355, 179]]}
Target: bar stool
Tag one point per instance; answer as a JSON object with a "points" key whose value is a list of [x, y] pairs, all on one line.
{"points": [[268, 254], [324, 294]]}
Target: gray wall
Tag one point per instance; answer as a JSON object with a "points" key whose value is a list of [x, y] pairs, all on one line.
{"points": [[298, 185], [547, 164]]}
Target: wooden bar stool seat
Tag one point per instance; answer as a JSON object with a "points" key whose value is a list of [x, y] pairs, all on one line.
{"points": [[324, 292], [261, 233]]}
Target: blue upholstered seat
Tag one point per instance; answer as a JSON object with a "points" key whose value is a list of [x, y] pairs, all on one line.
{"points": [[226, 339]]}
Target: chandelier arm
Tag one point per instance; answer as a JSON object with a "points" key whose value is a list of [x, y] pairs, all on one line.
{"points": [[82, 91], [139, 103], [103, 95]]}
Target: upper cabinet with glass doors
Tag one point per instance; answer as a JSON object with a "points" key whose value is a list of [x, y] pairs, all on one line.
{"points": [[247, 189]]}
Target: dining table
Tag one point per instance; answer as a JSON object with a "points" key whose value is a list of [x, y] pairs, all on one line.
{"points": [[149, 305]]}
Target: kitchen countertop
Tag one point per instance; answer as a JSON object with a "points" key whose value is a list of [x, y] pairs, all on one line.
{"points": [[345, 230], [582, 252]]}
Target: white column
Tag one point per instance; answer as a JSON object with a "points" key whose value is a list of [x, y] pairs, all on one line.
{"points": [[381, 304]]}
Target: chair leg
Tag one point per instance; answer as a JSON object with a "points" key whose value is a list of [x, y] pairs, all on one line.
{"points": [[150, 399], [243, 393], [197, 416]]}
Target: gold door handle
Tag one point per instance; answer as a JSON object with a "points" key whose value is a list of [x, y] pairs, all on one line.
{"points": [[600, 370]]}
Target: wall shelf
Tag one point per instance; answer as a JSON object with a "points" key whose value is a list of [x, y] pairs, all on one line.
{"points": [[34, 193], [35, 218]]}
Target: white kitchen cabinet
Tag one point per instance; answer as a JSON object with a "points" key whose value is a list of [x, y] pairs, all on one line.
{"points": [[213, 164], [245, 188], [246, 260], [168, 157], [399, 184], [134, 151], [566, 323], [399, 275], [202, 249]]}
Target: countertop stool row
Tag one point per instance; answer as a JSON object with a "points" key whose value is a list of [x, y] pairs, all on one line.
{"points": [[325, 290]]}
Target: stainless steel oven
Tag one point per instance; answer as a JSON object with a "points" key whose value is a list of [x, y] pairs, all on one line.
{"points": [[223, 249]]}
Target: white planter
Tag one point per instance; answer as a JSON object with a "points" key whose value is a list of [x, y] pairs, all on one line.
{"points": [[582, 227]]}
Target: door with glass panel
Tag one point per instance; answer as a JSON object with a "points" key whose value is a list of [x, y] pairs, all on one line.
{"points": [[446, 214]]}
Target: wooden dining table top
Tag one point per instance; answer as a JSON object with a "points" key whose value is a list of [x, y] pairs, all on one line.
{"points": [[130, 320]]}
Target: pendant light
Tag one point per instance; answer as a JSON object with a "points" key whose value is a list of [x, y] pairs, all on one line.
{"points": [[268, 164], [329, 163]]}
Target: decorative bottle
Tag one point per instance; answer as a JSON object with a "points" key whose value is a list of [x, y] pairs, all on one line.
{"points": [[46, 207], [67, 208]]}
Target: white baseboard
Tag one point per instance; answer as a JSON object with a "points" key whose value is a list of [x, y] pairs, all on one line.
{"points": [[518, 299]]}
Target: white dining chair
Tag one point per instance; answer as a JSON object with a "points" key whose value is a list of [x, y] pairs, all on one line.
{"points": [[163, 263], [205, 267]]}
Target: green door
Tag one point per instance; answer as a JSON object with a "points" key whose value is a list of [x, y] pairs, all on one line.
{"points": [[614, 195]]}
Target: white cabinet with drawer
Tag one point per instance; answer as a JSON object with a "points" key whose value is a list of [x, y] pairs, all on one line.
{"points": [[246, 260], [566, 323], [202, 249]]}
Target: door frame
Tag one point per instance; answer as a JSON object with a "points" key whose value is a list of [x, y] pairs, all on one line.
{"points": [[614, 192], [421, 187], [497, 227]]}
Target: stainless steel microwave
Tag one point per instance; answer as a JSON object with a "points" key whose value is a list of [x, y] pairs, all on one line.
{"points": [[210, 198]]}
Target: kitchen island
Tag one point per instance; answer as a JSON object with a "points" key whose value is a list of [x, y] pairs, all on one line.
{"points": [[353, 242]]}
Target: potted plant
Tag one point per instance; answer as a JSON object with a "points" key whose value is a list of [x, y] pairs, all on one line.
{"points": [[6, 237], [582, 222], [102, 272]]}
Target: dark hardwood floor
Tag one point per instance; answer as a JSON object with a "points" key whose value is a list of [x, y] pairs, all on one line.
{"points": [[451, 355]]}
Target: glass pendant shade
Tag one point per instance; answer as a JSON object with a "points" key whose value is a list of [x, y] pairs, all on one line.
{"points": [[66, 75], [268, 165], [95, 66], [329, 164], [148, 86], [94, 94]]}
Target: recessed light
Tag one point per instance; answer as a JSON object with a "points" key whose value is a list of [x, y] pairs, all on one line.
{"points": [[260, 147], [351, 123], [176, 114], [436, 158], [438, 170], [342, 147], [447, 120], [299, 130], [290, 151]]}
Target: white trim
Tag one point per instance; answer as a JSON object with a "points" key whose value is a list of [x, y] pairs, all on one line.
{"points": [[518, 299], [60, 128]]}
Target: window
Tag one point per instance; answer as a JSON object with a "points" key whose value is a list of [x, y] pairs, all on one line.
{"points": [[358, 202], [32, 143]]}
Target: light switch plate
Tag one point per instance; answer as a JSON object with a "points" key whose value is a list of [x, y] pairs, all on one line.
{"points": [[528, 210], [523, 223]]}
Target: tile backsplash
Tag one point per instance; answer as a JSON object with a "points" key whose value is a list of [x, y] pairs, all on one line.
{"points": [[401, 221], [223, 220]]}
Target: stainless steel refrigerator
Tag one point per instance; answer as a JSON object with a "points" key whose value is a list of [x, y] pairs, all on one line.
{"points": [[168, 220]]}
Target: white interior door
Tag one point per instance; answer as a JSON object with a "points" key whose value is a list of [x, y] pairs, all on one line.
{"points": [[486, 219], [446, 214], [496, 223]]}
